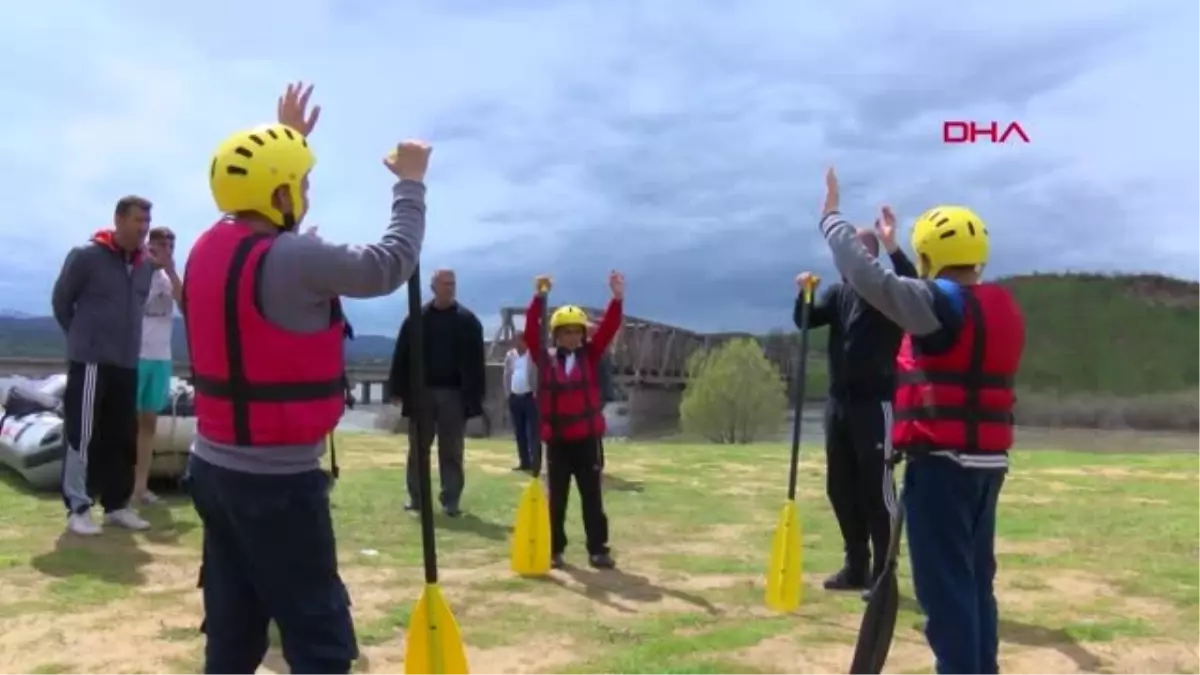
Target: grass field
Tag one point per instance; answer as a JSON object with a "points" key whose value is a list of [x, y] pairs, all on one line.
{"points": [[1098, 571]]}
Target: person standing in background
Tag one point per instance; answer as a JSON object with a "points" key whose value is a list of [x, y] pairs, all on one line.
{"points": [[863, 343], [455, 376], [520, 384], [604, 378], [98, 300], [154, 367]]}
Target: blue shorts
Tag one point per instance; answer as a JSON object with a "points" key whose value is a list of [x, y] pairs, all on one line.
{"points": [[154, 379]]}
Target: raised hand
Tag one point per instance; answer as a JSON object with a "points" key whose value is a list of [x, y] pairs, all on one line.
{"points": [[410, 160], [616, 284], [885, 227], [292, 109], [832, 195]]}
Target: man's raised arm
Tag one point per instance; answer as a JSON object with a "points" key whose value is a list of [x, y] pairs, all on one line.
{"points": [[377, 269]]}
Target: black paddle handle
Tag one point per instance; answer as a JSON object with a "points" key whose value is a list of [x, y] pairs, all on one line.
{"points": [[417, 401], [798, 389], [542, 361], [878, 626]]}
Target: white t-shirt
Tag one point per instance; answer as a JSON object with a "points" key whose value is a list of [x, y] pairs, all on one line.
{"points": [[159, 317], [520, 374]]}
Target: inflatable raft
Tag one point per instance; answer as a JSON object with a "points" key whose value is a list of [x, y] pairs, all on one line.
{"points": [[31, 432]]}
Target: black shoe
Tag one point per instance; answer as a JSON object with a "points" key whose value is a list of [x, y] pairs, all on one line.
{"points": [[412, 507], [451, 511], [847, 579], [556, 561], [602, 561]]}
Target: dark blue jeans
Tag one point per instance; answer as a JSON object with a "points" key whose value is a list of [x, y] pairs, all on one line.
{"points": [[951, 517], [523, 411], [269, 553]]}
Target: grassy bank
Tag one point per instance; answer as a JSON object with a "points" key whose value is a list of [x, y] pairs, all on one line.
{"points": [[1098, 570], [1110, 352]]}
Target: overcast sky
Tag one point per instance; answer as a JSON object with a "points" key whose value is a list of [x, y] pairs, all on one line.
{"points": [[682, 141]]}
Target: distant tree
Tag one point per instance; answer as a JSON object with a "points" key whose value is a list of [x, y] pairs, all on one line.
{"points": [[734, 394]]}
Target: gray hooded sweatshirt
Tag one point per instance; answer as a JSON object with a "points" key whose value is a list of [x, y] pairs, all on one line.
{"points": [[98, 300]]}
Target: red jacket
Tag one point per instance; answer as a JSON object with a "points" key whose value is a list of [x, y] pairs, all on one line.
{"points": [[256, 384], [570, 404], [961, 401]]}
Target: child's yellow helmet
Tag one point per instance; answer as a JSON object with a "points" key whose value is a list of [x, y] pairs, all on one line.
{"points": [[568, 315], [949, 236]]}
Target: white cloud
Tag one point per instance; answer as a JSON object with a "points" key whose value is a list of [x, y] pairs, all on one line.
{"points": [[679, 133]]}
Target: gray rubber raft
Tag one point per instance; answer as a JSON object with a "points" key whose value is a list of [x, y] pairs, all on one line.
{"points": [[31, 431]]}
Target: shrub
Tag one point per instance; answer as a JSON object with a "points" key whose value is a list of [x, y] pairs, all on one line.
{"points": [[734, 394]]}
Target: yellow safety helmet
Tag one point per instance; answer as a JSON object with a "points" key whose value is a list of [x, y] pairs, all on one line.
{"points": [[949, 236], [568, 315], [249, 165]]}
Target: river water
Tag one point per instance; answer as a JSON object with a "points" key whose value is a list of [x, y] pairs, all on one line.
{"points": [[373, 417]]}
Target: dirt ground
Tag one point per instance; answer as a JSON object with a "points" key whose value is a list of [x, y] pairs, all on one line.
{"points": [[1057, 618]]}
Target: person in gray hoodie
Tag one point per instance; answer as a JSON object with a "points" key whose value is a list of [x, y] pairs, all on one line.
{"points": [[98, 300]]}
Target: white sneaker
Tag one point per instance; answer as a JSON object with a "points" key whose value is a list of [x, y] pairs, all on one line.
{"points": [[83, 525], [148, 498], [126, 518]]}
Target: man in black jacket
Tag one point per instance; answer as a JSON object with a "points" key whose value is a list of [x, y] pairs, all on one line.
{"points": [[604, 378], [455, 377], [858, 415]]}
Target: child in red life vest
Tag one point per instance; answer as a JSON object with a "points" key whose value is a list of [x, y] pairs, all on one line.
{"points": [[953, 415], [572, 413]]}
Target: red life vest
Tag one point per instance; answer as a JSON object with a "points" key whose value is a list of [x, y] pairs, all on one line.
{"points": [[570, 403], [961, 401], [256, 384]]}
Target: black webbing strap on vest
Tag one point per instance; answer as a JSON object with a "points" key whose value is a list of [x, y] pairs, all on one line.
{"points": [[235, 388], [972, 382]]}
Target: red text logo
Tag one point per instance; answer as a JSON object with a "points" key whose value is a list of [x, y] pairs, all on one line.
{"points": [[957, 131]]}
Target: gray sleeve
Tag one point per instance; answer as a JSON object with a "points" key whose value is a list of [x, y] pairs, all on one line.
{"points": [[906, 302], [372, 270], [67, 288]]}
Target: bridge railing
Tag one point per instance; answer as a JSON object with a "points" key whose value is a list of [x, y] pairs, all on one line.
{"points": [[650, 352]]}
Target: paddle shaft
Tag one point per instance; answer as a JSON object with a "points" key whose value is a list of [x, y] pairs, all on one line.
{"points": [[417, 400], [542, 361], [877, 631], [798, 389]]}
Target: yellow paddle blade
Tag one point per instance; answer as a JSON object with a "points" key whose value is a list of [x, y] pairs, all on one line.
{"points": [[784, 580], [529, 555], [434, 644]]}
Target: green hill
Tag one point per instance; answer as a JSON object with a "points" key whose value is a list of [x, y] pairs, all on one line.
{"points": [[1102, 351], [1121, 335], [40, 337]]}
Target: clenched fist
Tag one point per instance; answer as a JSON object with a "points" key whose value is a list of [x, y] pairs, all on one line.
{"points": [[616, 284], [807, 281], [409, 160]]}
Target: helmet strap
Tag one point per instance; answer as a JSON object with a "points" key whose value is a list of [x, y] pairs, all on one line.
{"points": [[289, 222]]}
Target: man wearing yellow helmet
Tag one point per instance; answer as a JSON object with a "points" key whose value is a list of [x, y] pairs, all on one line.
{"points": [[265, 331], [953, 416], [572, 413]]}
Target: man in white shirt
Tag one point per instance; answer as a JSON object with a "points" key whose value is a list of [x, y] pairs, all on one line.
{"points": [[154, 366], [520, 383]]}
